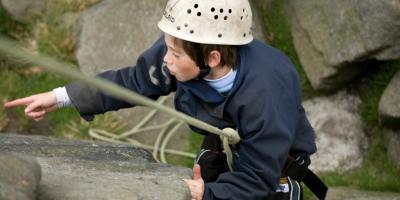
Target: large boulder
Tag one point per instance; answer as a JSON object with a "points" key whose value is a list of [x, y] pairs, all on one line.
{"points": [[79, 170], [389, 106], [340, 138], [19, 176], [332, 37], [24, 10]]}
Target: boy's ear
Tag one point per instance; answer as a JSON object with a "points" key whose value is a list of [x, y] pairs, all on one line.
{"points": [[214, 58]]}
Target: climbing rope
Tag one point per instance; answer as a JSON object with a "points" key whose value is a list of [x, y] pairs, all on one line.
{"points": [[228, 135]]}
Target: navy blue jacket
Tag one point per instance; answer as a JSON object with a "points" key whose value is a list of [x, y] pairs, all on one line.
{"points": [[264, 105]]}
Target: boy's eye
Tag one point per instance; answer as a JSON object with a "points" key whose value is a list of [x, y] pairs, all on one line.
{"points": [[175, 55]]}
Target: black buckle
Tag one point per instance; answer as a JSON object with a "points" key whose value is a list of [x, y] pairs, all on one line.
{"points": [[298, 169]]}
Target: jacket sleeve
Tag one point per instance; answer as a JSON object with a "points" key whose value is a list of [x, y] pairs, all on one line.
{"points": [[266, 118], [149, 77]]}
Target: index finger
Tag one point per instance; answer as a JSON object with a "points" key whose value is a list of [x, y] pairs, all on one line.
{"points": [[19, 102]]}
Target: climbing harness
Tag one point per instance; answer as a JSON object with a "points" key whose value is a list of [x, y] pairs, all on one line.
{"points": [[297, 169]]}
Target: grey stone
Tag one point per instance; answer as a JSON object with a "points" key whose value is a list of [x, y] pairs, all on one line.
{"points": [[74, 179], [389, 106], [113, 33], [322, 76], [332, 37], [19, 176], [259, 27], [341, 193], [392, 139], [42, 146], [83, 170], [25, 10], [340, 138]]}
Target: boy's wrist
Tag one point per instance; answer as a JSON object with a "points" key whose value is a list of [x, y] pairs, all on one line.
{"points": [[62, 97]]}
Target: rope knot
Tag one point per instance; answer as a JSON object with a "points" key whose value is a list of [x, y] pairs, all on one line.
{"points": [[233, 136]]}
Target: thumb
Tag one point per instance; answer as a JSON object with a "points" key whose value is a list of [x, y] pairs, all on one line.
{"points": [[196, 172]]}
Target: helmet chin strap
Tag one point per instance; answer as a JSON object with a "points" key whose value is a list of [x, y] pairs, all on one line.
{"points": [[204, 69]]}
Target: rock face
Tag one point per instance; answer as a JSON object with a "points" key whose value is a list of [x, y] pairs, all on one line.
{"points": [[24, 10], [41, 146], [332, 37], [393, 146], [113, 33], [95, 170], [340, 139], [389, 106], [19, 176]]}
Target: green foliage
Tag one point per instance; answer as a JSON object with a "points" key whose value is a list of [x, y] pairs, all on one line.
{"points": [[79, 128], [370, 87], [195, 142], [46, 35], [10, 27], [52, 35], [22, 83], [3, 117]]}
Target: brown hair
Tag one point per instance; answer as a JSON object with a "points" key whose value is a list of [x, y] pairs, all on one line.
{"points": [[229, 53]]}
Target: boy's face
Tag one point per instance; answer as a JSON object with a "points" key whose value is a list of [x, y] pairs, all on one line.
{"points": [[178, 62]]}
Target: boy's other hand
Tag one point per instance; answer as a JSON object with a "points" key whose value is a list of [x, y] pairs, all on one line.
{"points": [[196, 185], [36, 105]]}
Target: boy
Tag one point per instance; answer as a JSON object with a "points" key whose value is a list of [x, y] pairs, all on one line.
{"points": [[221, 76]]}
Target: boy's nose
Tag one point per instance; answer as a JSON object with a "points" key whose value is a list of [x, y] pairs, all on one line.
{"points": [[167, 60]]}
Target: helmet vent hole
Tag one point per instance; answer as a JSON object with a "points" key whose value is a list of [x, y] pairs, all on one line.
{"points": [[178, 27], [199, 14], [244, 10], [196, 5], [191, 31], [212, 9], [226, 17], [230, 10], [189, 11], [221, 10], [216, 17], [244, 35], [186, 25], [220, 35], [241, 17]]}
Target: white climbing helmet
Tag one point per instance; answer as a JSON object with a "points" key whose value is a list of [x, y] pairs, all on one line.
{"points": [[226, 22]]}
